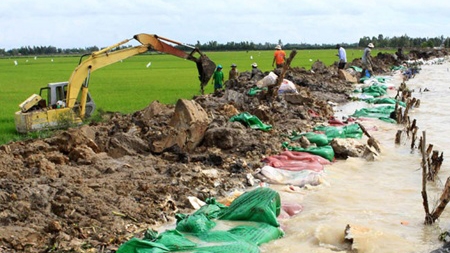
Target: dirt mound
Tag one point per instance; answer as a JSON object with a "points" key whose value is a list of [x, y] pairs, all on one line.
{"points": [[92, 188]]}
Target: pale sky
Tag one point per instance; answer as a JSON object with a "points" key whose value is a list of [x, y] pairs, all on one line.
{"points": [[85, 23]]}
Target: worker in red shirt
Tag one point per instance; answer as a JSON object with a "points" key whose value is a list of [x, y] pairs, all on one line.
{"points": [[279, 57]]}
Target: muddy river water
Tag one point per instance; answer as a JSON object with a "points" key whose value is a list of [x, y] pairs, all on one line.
{"points": [[382, 199]]}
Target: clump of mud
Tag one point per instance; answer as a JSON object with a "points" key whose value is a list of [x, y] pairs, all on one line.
{"points": [[94, 187]]}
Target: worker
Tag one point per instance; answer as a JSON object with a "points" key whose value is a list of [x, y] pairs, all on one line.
{"points": [[255, 70], [234, 72], [60, 104], [342, 56], [279, 57], [218, 78], [366, 59]]}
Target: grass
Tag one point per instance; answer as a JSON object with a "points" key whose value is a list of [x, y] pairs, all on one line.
{"points": [[129, 85]]}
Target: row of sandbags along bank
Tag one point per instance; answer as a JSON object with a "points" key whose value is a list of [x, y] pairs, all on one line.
{"points": [[251, 219]]}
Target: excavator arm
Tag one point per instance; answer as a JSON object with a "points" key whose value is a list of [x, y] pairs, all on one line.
{"points": [[79, 79]]}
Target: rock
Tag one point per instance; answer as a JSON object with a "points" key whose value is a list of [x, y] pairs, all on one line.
{"points": [[223, 137], [370, 153], [154, 109], [229, 110], [348, 147], [298, 99], [345, 75], [236, 97], [129, 143], [189, 123]]}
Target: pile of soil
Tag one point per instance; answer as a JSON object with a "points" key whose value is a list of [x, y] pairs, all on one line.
{"points": [[94, 187]]}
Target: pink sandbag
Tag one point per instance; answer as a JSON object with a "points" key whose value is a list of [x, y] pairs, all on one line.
{"points": [[336, 122], [283, 162], [305, 156]]}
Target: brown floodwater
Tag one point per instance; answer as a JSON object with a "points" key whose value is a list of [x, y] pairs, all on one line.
{"points": [[380, 200]]}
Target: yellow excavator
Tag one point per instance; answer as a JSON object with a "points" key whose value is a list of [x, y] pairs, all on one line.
{"points": [[70, 102]]}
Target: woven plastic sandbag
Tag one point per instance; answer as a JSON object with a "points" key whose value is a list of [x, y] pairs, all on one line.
{"points": [[224, 242], [136, 245], [348, 131], [392, 101], [326, 152], [375, 112], [257, 232], [316, 138], [261, 204], [173, 240], [196, 223], [212, 209], [375, 90]]}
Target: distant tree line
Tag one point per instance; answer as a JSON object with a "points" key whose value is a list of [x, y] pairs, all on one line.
{"points": [[380, 42]]}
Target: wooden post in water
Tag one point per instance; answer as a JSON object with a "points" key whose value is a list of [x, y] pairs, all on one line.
{"points": [[443, 201], [435, 165], [398, 136], [428, 217]]}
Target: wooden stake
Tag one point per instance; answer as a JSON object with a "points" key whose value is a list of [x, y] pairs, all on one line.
{"points": [[428, 217], [398, 136]]}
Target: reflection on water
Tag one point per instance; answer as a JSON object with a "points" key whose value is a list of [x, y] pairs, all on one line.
{"points": [[380, 200]]}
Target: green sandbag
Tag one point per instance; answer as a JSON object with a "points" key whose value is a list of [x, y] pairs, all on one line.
{"points": [[381, 79], [392, 101], [375, 90], [212, 209], [326, 152], [375, 112], [316, 138], [194, 232], [250, 121], [172, 239], [261, 204], [230, 247], [257, 233], [196, 223], [229, 243], [136, 245], [388, 120], [348, 131]]}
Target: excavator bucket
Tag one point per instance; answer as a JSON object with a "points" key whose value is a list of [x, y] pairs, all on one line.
{"points": [[206, 69]]}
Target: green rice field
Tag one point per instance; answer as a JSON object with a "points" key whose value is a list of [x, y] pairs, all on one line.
{"points": [[130, 85]]}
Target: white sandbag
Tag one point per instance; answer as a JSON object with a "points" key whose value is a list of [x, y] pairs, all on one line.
{"points": [[270, 79], [298, 178], [287, 87]]}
